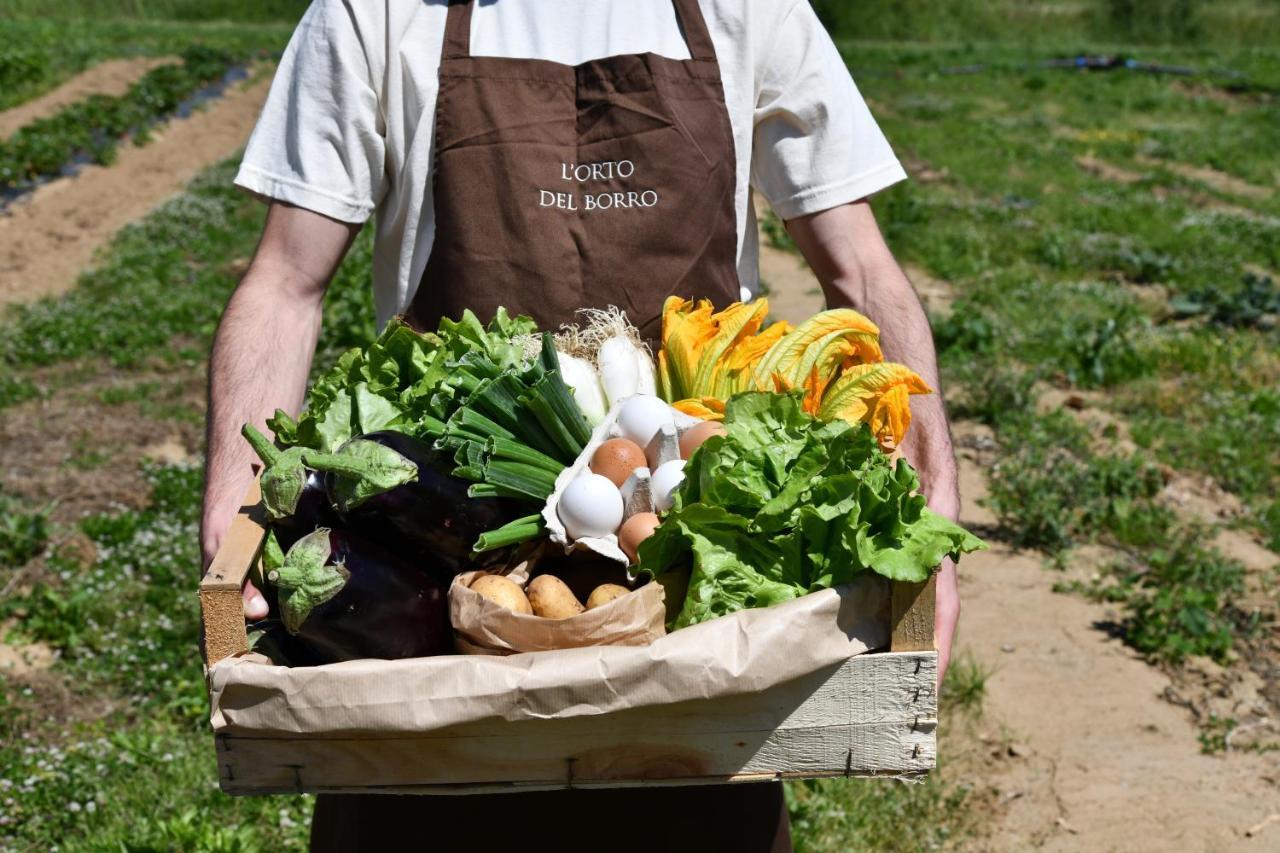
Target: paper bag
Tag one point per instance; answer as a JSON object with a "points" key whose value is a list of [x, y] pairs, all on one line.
{"points": [[744, 652], [482, 627]]}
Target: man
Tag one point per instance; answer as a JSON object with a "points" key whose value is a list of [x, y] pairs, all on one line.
{"points": [[548, 155]]}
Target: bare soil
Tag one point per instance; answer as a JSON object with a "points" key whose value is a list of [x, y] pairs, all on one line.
{"points": [[78, 455], [1215, 179], [1108, 171], [48, 238], [1107, 763], [111, 77]]}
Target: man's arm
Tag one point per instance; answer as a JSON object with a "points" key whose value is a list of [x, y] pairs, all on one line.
{"points": [[849, 256], [262, 355]]}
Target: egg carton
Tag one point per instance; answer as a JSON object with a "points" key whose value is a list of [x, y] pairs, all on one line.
{"points": [[636, 494]]}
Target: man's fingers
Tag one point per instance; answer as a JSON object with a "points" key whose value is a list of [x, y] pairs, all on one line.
{"points": [[255, 606]]}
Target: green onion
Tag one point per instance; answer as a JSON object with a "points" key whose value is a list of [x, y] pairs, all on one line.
{"points": [[469, 472], [534, 483], [501, 448], [489, 490], [512, 533], [472, 423], [546, 417]]}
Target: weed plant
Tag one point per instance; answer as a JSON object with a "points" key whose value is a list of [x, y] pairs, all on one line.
{"points": [[24, 531], [1178, 600], [1050, 490]]}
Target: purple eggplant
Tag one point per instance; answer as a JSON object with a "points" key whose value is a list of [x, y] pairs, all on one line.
{"points": [[294, 498], [311, 510], [271, 639], [391, 486], [345, 598]]}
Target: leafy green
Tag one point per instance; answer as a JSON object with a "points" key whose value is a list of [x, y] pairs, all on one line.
{"points": [[404, 380], [786, 504], [472, 390]]}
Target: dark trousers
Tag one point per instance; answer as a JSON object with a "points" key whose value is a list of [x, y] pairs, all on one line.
{"points": [[743, 818]]}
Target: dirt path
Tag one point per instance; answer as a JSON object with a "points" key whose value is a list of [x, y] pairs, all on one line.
{"points": [[48, 238], [112, 77], [1105, 763], [1098, 760]]}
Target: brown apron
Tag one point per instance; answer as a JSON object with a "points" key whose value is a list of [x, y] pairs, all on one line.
{"points": [[556, 188], [561, 187]]}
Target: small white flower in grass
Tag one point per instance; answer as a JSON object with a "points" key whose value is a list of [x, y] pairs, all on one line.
{"points": [[168, 756], [91, 807], [73, 806]]}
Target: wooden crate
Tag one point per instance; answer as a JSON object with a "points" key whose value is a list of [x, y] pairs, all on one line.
{"points": [[873, 715]]}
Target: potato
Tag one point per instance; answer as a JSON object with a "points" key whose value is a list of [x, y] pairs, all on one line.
{"points": [[582, 573], [551, 598], [503, 592], [605, 593]]}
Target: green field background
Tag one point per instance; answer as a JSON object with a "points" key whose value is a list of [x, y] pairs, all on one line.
{"points": [[1150, 293]]}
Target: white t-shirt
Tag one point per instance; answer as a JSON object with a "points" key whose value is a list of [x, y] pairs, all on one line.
{"points": [[347, 129]]}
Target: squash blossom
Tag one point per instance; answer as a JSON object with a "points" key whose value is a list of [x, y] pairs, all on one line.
{"points": [[834, 357]]}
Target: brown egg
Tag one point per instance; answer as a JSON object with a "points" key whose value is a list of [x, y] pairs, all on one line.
{"points": [[635, 530], [694, 436], [616, 459]]}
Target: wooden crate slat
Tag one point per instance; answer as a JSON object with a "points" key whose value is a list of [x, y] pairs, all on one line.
{"points": [[800, 729], [221, 608], [913, 612]]}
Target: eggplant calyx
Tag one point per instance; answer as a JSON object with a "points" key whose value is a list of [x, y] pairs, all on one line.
{"points": [[307, 579], [363, 469], [284, 476], [272, 553]]}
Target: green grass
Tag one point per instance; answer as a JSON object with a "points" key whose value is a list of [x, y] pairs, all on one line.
{"points": [[1216, 22], [837, 815], [134, 770], [1145, 287], [241, 11]]}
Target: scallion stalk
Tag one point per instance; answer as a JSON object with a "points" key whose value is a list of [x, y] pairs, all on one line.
{"points": [[512, 533], [501, 448]]}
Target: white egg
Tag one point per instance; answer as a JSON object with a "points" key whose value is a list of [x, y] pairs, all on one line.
{"points": [[590, 506], [642, 416], [665, 481]]}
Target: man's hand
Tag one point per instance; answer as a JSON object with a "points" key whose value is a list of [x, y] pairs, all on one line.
{"points": [[262, 355], [849, 256]]}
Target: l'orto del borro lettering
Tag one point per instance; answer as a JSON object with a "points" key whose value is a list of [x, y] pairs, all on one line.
{"points": [[586, 200]]}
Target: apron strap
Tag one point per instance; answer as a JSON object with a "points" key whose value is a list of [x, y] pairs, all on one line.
{"points": [[689, 14], [457, 30]]}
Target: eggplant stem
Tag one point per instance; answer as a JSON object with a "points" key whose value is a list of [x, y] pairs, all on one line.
{"points": [[334, 463], [267, 452]]}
